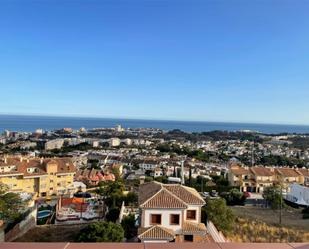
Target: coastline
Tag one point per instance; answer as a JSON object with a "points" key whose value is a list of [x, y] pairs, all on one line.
{"points": [[29, 123]]}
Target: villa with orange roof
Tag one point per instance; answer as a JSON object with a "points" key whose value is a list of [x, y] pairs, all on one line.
{"points": [[92, 177], [170, 213]]}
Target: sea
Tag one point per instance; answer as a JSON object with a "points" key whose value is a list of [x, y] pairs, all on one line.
{"points": [[31, 123]]}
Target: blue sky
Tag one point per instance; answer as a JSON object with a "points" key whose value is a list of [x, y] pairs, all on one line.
{"points": [[210, 60]]}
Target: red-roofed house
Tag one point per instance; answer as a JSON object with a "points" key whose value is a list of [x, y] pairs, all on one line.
{"points": [[170, 212]]}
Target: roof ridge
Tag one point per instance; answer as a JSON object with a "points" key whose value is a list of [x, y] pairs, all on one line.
{"points": [[166, 190], [147, 230], [170, 232], [145, 202], [194, 191], [175, 196], [186, 188]]}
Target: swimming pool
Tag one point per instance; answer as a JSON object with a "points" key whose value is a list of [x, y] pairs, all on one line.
{"points": [[43, 214]]}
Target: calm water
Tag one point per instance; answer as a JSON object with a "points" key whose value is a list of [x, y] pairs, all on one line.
{"points": [[31, 123]]}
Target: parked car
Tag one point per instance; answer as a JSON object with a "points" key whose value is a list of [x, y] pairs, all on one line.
{"points": [[214, 193]]}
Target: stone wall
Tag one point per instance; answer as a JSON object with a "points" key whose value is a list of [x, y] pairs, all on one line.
{"points": [[24, 226]]}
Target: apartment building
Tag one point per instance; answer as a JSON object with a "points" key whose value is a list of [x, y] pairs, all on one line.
{"points": [[170, 213], [149, 165], [304, 175], [54, 144], [287, 176], [261, 178], [44, 177], [255, 179], [114, 142], [241, 177]]}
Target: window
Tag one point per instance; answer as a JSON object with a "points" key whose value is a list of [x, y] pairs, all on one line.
{"points": [[188, 238], [155, 219], [191, 214], [174, 219]]}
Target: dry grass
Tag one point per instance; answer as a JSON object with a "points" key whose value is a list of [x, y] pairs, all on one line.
{"points": [[291, 218], [256, 224], [246, 230], [51, 234]]}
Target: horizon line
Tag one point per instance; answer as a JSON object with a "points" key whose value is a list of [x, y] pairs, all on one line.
{"points": [[147, 119]]}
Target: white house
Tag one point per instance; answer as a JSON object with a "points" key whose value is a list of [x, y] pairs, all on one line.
{"points": [[170, 213], [114, 142], [148, 165]]}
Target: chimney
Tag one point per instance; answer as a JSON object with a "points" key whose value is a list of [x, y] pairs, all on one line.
{"points": [[142, 180], [21, 159], [41, 160], [5, 160]]}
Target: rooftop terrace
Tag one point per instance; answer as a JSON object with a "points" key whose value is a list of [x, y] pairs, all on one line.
{"points": [[155, 245]]}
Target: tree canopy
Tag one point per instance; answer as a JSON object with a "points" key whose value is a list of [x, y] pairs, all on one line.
{"points": [[273, 196], [128, 224], [10, 204], [220, 214], [234, 197], [101, 232], [112, 192]]}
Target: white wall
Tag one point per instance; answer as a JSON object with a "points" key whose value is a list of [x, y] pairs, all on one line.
{"points": [[301, 193], [165, 217], [198, 215]]}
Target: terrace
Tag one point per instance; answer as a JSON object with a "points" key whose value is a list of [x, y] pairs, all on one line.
{"points": [[78, 209], [155, 245]]}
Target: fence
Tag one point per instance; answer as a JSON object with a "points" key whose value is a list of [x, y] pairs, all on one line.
{"points": [[215, 234]]}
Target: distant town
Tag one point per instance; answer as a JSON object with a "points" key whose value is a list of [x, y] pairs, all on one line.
{"points": [[151, 185]]}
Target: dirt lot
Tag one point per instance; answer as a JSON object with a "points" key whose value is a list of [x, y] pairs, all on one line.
{"points": [[291, 218], [51, 234]]}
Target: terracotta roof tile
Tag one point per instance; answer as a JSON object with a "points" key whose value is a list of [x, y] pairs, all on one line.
{"points": [[188, 195], [64, 165], [37, 245], [106, 245], [288, 172], [239, 171], [147, 190], [304, 172], [181, 246], [256, 246], [194, 228], [157, 233], [262, 171], [164, 199], [228, 245], [160, 195]]}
